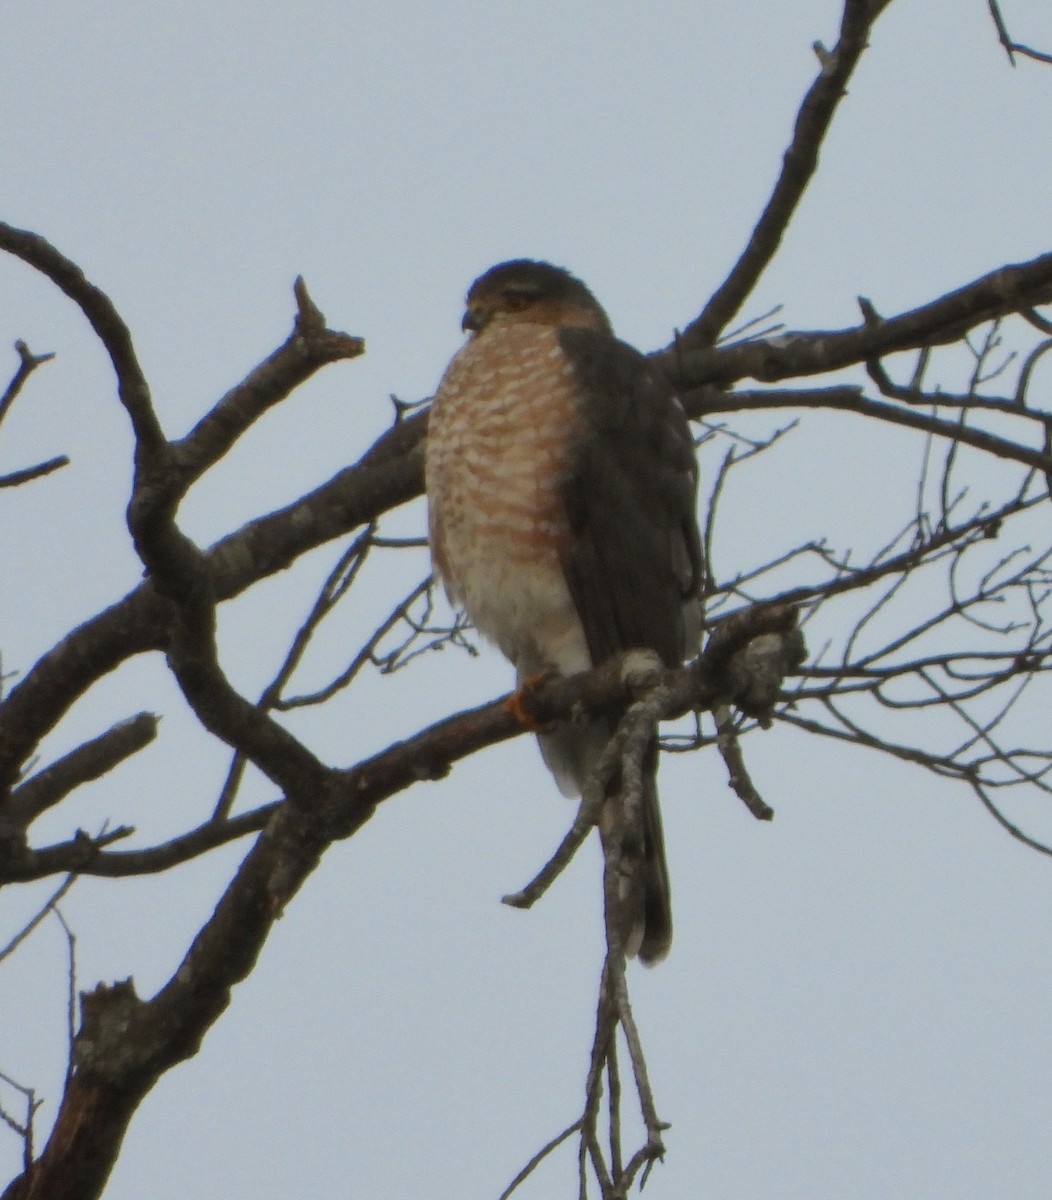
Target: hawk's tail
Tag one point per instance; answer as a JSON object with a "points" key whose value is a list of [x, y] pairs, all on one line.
{"points": [[657, 896], [641, 890]]}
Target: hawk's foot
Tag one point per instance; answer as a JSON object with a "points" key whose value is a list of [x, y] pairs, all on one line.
{"points": [[518, 703]]}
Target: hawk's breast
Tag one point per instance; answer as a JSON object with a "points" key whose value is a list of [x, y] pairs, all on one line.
{"points": [[501, 439]]}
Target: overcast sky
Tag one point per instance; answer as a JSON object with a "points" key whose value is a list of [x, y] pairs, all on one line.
{"points": [[856, 1004]]}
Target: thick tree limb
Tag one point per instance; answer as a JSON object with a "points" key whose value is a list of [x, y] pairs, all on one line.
{"points": [[163, 473], [1009, 289], [103, 317], [346, 797], [391, 472], [125, 1043], [387, 475]]}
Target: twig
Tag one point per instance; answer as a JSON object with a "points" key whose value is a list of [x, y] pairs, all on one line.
{"points": [[24, 1131], [27, 929], [71, 984], [1012, 48], [26, 474], [621, 757], [737, 773], [28, 363], [86, 856], [339, 581], [310, 346], [539, 1157], [654, 1126], [851, 400], [799, 163], [583, 823]]}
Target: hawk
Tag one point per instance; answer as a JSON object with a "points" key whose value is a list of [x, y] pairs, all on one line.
{"points": [[561, 485]]}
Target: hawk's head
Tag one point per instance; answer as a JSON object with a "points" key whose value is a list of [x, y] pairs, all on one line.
{"points": [[528, 292]]}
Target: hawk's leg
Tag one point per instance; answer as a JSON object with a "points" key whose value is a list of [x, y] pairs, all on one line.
{"points": [[518, 703]]}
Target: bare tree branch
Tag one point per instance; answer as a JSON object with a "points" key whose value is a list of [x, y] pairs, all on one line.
{"points": [[126, 1043], [90, 761], [89, 856], [103, 318], [389, 474], [799, 164], [1009, 289], [539, 1157], [28, 363], [950, 614], [27, 474], [27, 929], [310, 346], [844, 399], [1012, 48], [24, 1128], [737, 772]]}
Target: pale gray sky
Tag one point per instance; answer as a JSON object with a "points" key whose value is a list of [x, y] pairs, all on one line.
{"points": [[856, 1004]]}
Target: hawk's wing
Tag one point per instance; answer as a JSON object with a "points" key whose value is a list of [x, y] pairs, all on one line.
{"points": [[633, 563]]}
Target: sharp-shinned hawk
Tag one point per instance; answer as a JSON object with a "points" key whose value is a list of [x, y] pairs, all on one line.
{"points": [[561, 484]]}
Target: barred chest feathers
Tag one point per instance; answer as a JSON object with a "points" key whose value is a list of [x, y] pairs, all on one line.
{"points": [[503, 420]]}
